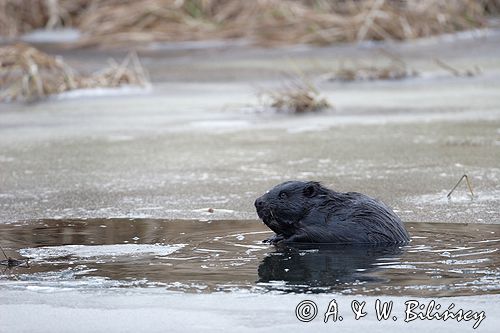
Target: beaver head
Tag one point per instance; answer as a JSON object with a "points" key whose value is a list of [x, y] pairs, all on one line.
{"points": [[282, 207]]}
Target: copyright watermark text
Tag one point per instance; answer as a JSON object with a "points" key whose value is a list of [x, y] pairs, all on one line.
{"points": [[307, 311]]}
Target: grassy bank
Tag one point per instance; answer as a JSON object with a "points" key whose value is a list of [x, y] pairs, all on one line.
{"points": [[265, 22]]}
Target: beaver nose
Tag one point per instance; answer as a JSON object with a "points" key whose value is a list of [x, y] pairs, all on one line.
{"points": [[259, 203]]}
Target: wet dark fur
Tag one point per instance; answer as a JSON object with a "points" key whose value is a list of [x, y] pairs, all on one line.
{"points": [[307, 212]]}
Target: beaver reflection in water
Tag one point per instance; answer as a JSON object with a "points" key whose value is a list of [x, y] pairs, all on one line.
{"points": [[307, 212]]}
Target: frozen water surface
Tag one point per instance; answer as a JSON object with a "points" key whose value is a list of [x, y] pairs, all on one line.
{"points": [[195, 147]]}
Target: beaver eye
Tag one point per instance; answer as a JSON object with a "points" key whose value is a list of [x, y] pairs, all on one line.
{"points": [[283, 195]]}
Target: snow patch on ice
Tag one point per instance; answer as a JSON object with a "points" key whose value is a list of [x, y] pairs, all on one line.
{"points": [[96, 92], [220, 124], [65, 35], [96, 251]]}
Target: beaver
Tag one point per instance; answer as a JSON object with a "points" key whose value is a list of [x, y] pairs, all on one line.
{"points": [[308, 212]]}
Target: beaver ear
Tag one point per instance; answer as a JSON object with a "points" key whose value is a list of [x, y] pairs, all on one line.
{"points": [[311, 189]]}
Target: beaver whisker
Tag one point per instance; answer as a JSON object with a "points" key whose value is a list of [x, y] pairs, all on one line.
{"points": [[272, 215]]}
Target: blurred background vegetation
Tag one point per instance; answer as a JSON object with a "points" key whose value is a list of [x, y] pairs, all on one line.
{"points": [[264, 22]]}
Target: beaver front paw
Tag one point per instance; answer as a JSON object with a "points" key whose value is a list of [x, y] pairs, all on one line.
{"points": [[274, 239]]}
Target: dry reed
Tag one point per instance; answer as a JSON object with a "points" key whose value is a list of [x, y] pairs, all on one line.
{"points": [[395, 68], [266, 22], [456, 71], [20, 16], [296, 96], [29, 74]]}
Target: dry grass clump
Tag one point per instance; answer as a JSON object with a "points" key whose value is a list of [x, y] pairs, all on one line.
{"points": [[127, 73], [29, 74], [26, 72], [370, 73], [267, 22], [456, 71], [394, 69], [298, 96]]}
